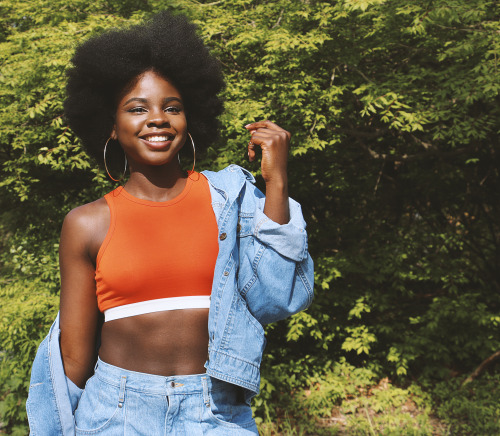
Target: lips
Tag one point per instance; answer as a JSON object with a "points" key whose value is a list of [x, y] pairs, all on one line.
{"points": [[158, 137], [157, 140]]}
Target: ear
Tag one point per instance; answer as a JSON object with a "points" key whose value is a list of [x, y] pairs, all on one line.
{"points": [[113, 135]]}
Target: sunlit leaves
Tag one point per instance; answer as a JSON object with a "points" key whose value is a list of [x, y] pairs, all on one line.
{"points": [[394, 115]]}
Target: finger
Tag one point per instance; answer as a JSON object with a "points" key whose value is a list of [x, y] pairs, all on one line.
{"points": [[284, 134], [267, 133], [251, 151], [268, 137], [259, 140], [260, 124]]}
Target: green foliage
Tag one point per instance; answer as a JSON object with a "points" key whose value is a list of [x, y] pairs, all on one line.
{"points": [[342, 399], [27, 308], [394, 114], [471, 409]]}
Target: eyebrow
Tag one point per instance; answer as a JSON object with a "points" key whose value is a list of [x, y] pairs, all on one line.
{"points": [[145, 100]]}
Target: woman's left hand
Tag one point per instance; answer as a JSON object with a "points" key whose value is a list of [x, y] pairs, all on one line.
{"points": [[274, 143]]}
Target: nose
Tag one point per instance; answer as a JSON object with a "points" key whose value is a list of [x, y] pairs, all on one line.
{"points": [[158, 118]]}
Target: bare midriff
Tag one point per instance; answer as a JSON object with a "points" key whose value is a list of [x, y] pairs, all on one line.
{"points": [[173, 342], [153, 252]]}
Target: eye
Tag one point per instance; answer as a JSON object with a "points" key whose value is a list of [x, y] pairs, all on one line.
{"points": [[137, 110], [172, 109]]}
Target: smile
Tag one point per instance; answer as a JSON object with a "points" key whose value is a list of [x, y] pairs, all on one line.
{"points": [[158, 138]]}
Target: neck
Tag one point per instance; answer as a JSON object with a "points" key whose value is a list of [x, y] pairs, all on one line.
{"points": [[156, 183]]}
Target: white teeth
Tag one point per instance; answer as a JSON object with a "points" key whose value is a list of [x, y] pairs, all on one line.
{"points": [[157, 138]]}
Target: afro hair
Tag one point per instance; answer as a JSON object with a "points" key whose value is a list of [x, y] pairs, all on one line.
{"points": [[104, 66]]}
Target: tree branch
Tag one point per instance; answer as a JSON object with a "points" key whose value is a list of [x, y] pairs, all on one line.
{"points": [[482, 367], [279, 19], [426, 145]]}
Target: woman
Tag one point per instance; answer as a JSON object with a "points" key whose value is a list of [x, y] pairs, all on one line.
{"points": [[175, 261]]}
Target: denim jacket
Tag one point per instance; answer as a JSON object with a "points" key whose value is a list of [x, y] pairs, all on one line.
{"points": [[263, 274]]}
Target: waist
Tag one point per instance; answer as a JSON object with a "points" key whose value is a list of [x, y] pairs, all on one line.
{"points": [[163, 343], [156, 384]]}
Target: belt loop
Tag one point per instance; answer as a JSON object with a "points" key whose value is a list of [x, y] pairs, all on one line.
{"points": [[206, 395], [121, 399]]}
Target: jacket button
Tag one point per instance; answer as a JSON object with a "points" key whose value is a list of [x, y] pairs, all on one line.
{"points": [[226, 273], [238, 227], [172, 384], [223, 236]]}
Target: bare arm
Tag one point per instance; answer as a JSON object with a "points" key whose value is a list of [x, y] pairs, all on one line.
{"points": [[79, 314], [274, 142]]}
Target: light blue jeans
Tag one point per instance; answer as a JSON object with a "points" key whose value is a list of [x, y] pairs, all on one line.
{"points": [[121, 402]]}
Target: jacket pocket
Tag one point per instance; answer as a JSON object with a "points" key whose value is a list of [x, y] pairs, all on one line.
{"points": [[244, 227], [243, 337]]}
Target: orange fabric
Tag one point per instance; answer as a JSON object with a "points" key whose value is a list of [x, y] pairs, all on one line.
{"points": [[157, 249]]}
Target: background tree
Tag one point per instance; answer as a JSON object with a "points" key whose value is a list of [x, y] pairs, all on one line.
{"points": [[394, 111]]}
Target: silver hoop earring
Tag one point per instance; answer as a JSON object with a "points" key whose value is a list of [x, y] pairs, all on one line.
{"points": [[194, 151], [106, 165]]}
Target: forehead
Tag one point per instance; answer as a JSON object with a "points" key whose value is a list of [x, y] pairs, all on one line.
{"points": [[149, 85]]}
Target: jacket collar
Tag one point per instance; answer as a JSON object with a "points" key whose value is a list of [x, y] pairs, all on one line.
{"points": [[230, 187]]}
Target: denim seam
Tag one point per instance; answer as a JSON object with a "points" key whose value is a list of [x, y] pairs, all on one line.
{"points": [[255, 264], [206, 396], [228, 326], [238, 358], [307, 285], [260, 224], [121, 396], [235, 380], [220, 289], [304, 246], [256, 325], [51, 369]]}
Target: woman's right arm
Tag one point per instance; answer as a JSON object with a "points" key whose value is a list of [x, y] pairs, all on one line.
{"points": [[79, 314]]}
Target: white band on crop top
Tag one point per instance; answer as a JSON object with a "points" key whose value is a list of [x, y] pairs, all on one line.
{"points": [[158, 305]]}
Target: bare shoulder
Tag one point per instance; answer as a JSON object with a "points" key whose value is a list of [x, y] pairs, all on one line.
{"points": [[88, 214], [86, 226]]}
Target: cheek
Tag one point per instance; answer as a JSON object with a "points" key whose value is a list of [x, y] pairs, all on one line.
{"points": [[180, 121], [126, 126], [182, 126]]}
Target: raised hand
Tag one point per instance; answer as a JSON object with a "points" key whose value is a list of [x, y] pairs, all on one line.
{"points": [[274, 143]]}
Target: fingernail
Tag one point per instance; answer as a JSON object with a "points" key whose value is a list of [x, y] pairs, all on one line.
{"points": [[247, 125]]}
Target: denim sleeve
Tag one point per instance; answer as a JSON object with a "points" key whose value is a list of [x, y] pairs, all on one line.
{"points": [[276, 271], [289, 240]]}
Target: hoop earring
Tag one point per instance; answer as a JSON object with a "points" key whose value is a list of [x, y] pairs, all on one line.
{"points": [[106, 165], [194, 151]]}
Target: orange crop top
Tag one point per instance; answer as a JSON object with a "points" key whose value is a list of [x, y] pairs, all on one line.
{"points": [[157, 255]]}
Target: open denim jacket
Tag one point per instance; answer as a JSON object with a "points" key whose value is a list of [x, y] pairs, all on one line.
{"points": [[263, 274]]}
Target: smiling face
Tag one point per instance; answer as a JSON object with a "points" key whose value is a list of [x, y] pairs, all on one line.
{"points": [[150, 122]]}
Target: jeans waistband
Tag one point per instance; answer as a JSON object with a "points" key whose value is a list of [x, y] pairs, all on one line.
{"points": [[157, 384]]}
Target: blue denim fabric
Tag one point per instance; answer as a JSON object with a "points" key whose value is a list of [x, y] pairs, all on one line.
{"points": [[50, 403], [119, 402], [263, 274]]}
